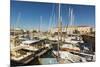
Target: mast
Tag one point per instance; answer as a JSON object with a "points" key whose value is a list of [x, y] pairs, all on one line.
{"points": [[52, 19], [40, 25], [71, 19], [15, 37], [18, 18], [59, 30]]}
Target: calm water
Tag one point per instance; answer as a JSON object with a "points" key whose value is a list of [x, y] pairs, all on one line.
{"points": [[48, 54]]}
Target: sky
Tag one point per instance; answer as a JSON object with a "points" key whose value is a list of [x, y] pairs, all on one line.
{"points": [[35, 15]]}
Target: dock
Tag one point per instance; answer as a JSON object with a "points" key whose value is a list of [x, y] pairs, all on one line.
{"points": [[29, 58]]}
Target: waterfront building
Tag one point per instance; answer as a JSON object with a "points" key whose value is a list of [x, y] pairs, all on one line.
{"points": [[84, 29], [74, 30], [16, 31]]}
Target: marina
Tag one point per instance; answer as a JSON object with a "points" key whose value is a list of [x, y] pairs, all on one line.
{"points": [[47, 54], [59, 41]]}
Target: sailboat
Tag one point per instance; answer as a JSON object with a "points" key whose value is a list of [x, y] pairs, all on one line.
{"points": [[74, 38], [64, 56], [48, 58]]}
